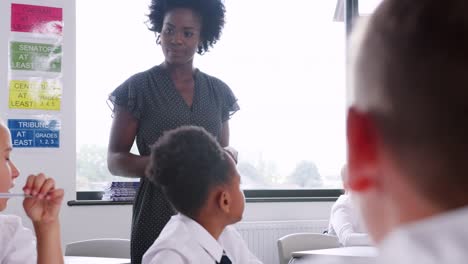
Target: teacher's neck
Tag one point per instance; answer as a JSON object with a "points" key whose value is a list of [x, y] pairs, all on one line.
{"points": [[179, 70]]}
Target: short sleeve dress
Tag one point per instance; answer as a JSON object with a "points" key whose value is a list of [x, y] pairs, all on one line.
{"points": [[151, 97]]}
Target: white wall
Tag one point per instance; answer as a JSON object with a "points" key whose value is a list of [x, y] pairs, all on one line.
{"points": [[85, 222], [59, 163]]}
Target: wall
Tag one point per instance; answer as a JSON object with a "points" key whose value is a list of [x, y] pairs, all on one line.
{"points": [[57, 163], [85, 222]]}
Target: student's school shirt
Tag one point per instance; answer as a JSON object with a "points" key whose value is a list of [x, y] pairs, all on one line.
{"points": [[17, 243], [346, 224], [436, 240], [442, 239], [184, 241]]}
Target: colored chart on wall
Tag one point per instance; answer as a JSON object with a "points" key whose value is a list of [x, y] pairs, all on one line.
{"points": [[36, 19], [31, 94], [34, 133], [35, 56]]}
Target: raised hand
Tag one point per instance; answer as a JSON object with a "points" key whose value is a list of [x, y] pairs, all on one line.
{"points": [[44, 204]]}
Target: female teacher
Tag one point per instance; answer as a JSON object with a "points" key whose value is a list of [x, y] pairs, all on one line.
{"points": [[171, 94]]}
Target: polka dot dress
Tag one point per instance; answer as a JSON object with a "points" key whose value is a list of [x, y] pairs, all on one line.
{"points": [[152, 98]]}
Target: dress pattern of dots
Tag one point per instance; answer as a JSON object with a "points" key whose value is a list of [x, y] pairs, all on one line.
{"points": [[151, 97]]}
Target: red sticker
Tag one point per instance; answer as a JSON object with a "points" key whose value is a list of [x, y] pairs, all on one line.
{"points": [[36, 19]]}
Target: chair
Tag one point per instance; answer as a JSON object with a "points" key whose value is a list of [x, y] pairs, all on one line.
{"points": [[104, 248], [303, 241]]}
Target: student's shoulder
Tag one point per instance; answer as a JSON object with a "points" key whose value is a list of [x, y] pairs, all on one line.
{"points": [[10, 223], [17, 243], [164, 256], [342, 201], [12, 231], [174, 234], [173, 241]]}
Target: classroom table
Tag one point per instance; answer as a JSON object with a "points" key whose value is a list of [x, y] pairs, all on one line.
{"points": [[352, 255], [95, 260]]}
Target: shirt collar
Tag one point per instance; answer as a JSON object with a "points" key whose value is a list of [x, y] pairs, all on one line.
{"points": [[205, 239]]}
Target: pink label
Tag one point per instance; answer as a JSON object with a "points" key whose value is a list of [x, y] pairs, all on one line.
{"points": [[36, 19]]}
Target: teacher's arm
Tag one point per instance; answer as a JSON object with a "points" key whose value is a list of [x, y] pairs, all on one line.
{"points": [[224, 139], [119, 159]]}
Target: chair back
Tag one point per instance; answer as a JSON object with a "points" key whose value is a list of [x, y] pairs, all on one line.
{"points": [[103, 247], [303, 241]]}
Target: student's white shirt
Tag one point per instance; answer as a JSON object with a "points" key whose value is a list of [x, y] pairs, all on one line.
{"points": [[346, 224], [439, 239], [17, 243], [442, 239], [184, 241]]}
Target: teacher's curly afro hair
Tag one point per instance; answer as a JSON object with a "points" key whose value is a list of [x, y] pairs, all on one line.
{"points": [[211, 13]]}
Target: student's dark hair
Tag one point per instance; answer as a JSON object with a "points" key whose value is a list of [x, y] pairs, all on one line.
{"points": [[211, 13], [187, 162], [416, 53]]}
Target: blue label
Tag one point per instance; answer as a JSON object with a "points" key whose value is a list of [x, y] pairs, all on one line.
{"points": [[32, 133]]}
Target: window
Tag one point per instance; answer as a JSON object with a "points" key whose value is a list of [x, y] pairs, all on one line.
{"points": [[367, 7], [285, 61]]}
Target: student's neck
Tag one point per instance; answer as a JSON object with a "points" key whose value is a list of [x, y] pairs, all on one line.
{"points": [[182, 71], [212, 224]]}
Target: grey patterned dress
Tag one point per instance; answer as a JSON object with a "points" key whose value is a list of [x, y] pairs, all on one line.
{"points": [[152, 98]]}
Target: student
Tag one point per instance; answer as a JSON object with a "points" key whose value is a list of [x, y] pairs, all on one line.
{"points": [[201, 181], [17, 244], [345, 222], [407, 130]]}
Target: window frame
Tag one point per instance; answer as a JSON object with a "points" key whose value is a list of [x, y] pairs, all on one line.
{"points": [[351, 10], [251, 196]]}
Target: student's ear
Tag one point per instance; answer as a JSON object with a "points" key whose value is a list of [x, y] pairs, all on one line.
{"points": [[224, 201], [362, 151]]}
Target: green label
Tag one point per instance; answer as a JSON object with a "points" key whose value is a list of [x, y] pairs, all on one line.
{"points": [[35, 57]]}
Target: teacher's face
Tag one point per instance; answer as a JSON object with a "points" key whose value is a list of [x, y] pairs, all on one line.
{"points": [[180, 35]]}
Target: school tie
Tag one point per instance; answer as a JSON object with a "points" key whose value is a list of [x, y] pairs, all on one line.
{"points": [[224, 259]]}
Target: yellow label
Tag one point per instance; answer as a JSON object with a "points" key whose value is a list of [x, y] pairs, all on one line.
{"points": [[31, 94]]}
